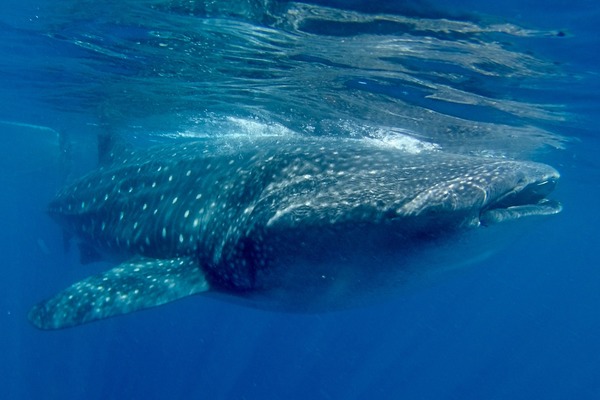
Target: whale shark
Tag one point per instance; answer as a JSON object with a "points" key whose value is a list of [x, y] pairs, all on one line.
{"points": [[283, 223]]}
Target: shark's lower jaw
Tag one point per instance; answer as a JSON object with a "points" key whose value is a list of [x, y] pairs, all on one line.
{"points": [[543, 207]]}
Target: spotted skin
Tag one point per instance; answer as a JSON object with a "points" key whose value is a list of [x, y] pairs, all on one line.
{"points": [[269, 219], [121, 290]]}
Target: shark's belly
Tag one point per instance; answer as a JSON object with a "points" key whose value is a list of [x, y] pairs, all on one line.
{"points": [[315, 273]]}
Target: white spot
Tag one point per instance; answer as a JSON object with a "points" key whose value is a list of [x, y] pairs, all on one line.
{"points": [[175, 200], [186, 214], [164, 232]]}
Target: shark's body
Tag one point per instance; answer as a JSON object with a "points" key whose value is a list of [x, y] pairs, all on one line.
{"points": [[298, 224]]}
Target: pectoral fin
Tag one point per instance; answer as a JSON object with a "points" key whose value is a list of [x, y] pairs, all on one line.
{"points": [[126, 288]]}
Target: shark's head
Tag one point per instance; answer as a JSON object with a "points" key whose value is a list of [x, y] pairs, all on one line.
{"points": [[522, 194], [489, 193], [384, 218], [428, 191]]}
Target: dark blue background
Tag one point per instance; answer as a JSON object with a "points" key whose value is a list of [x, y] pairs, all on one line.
{"points": [[522, 325]]}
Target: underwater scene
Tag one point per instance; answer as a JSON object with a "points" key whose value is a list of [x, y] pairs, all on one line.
{"points": [[318, 199]]}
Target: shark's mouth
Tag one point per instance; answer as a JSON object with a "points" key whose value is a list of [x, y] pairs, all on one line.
{"points": [[525, 201]]}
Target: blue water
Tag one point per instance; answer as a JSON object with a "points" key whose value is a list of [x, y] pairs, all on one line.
{"points": [[516, 79]]}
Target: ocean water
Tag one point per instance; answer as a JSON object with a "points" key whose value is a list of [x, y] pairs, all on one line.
{"points": [[512, 80]]}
